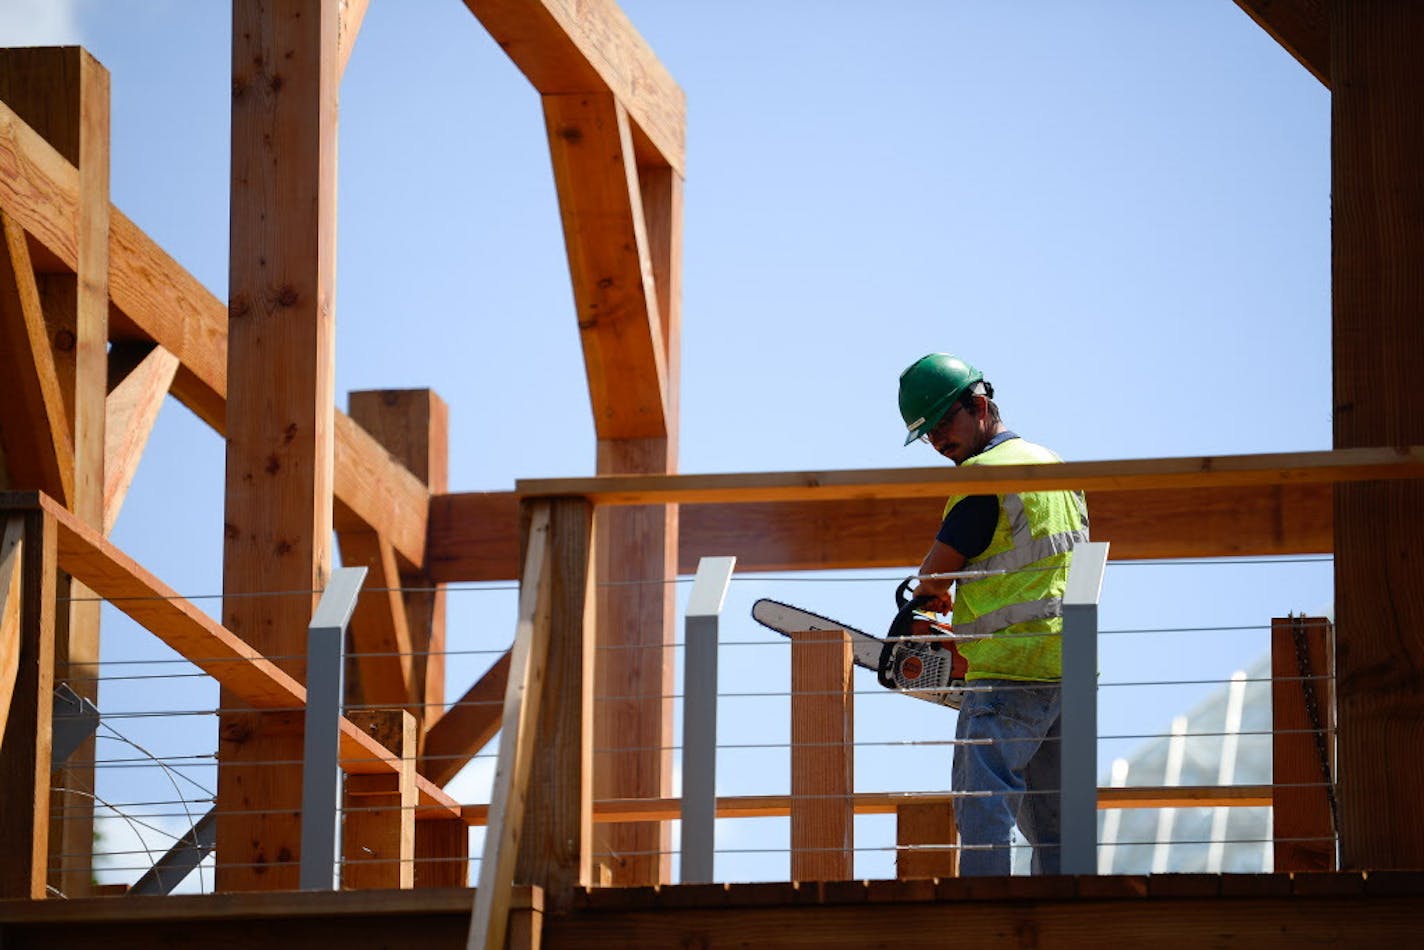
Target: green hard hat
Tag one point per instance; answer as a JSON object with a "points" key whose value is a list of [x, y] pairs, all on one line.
{"points": [[929, 387]]}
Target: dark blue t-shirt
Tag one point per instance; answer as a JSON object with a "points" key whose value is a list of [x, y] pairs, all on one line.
{"points": [[969, 526]]}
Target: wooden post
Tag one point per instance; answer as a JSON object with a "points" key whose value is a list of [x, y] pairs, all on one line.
{"points": [[1377, 145], [1304, 827], [414, 426], [25, 742], [378, 825], [63, 93], [925, 835], [278, 519], [822, 757], [556, 846], [442, 853]]}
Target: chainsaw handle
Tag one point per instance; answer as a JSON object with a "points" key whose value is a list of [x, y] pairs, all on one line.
{"points": [[906, 605], [905, 600]]}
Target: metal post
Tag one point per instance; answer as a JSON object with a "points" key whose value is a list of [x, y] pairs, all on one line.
{"points": [[186, 854], [321, 766], [699, 717], [1079, 782]]}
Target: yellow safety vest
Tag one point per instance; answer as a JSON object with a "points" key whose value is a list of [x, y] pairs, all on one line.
{"points": [[1019, 615]]}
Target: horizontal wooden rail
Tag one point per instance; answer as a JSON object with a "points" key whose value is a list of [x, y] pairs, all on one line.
{"points": [[1292, 468], [885, 803], [223, 655]]}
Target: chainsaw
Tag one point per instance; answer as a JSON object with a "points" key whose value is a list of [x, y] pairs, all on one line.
{"points": [[917, 656]]}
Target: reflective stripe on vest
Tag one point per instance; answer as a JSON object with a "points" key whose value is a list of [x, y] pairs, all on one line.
{"points": [[1007, 616], [1027, 549]]}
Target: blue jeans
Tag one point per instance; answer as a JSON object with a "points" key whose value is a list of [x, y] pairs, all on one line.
{"points": [[1015, 771]]}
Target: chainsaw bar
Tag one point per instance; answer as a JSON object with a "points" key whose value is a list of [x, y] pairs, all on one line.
{"points": [[786, 620]]}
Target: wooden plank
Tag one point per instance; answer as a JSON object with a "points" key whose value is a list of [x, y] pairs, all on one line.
{"points": [[467, 726], [281, 350], [822, 756], [235, 664], [589, 46], [34, 428], [473, 538], [132, 407], [351, 14], [413, 425], [442, 854], [12, 531], [609, 262], [1294, 468], [925, 836], [40, 189], [636, 555], [1304, 828], [25, 743], [63, 93], [378, 822], [1302, 27], [1377, 136], [889, 803], [375, 492], [556, 845], [522, 701], [380, 637]]}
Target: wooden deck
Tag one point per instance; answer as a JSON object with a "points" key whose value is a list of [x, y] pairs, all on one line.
{"points": [[1380, 908]]}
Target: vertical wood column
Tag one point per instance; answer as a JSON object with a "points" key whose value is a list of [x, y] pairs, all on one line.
{"points": [[1377, 126], [63, 93], [414, 426], [28, 730], [378, 824], [555, 849], [1304, 827], [822, 757], [278, 520], [925, 836]]}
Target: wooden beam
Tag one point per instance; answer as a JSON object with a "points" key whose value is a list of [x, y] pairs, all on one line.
{"points": [[925, 840], [637, 558], [602, 214], [556, 845], [413, 425], [522, 704], [281, 350], [34, 428], [156, 301], [12, 532], [1227, 471], [378, 821], [822, 756], [239, 668], [1377, 194], [351, 13], [467, 726], [472, 535], [135, 398], [589, 46], [25, 743], [1302, 27], [1302, 725], [380, 637], [890, 803]]}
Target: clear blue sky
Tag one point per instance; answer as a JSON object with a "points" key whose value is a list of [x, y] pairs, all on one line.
{"points": [[1118, 210]]}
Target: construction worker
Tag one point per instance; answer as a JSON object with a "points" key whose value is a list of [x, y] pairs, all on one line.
{"points": [[1007, 756]]}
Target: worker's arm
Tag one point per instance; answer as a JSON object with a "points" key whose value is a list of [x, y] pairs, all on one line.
{"points": [[942, 559]]}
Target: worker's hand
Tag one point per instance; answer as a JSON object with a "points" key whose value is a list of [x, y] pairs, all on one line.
{"points": [[940, 601]]}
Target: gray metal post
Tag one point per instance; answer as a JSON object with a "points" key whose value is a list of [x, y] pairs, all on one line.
{"points": [[75, 719], [1079, 781], [186, 854], [699, 717], [321, 766]]}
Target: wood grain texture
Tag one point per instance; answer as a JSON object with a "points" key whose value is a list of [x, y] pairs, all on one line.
{"points": [[556, 845], [132, 407], [378, 817], [12, 532], [609, 262], [380, 637], [1301, 821], [467, 726], [925, 836], [1377, 144], [822, 756], [1405, 462], [25, 744], [34, 425], [589, 46], [1302, 27]]}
